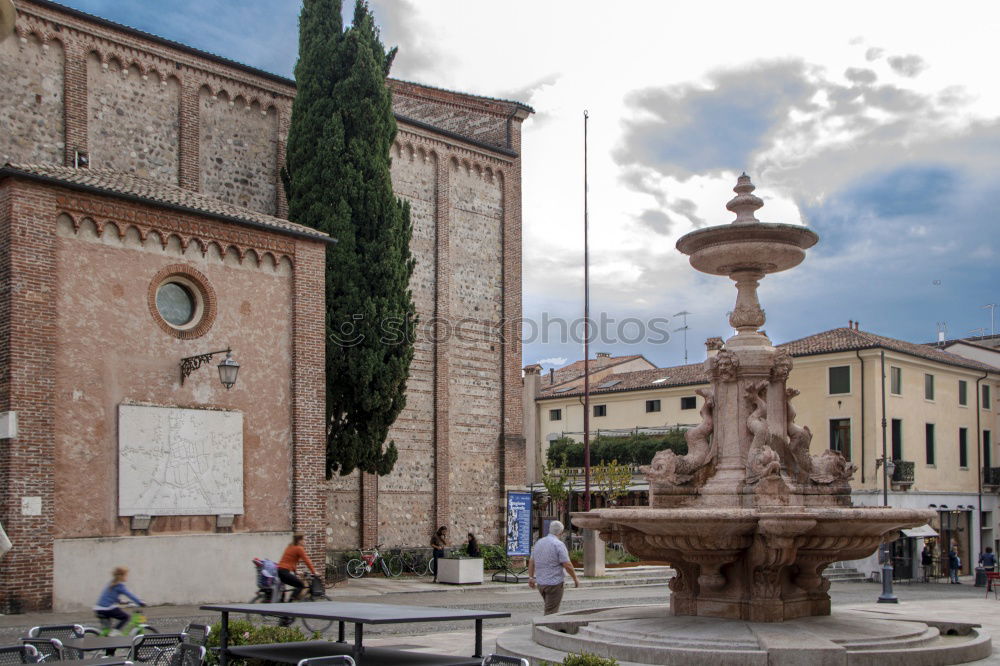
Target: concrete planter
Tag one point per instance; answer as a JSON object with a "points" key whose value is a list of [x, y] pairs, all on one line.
{"points": [[460, 571]]}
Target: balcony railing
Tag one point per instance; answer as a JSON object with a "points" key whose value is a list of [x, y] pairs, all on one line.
{"points": [[902, 476], [991, 478]]}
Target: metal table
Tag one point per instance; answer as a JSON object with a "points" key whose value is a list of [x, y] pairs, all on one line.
{"points": [[95, 643], [359, 614]]}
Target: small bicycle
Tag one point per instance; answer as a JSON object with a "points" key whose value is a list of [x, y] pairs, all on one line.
{"points": [[136, 625], [391, 567], [277, 592]]}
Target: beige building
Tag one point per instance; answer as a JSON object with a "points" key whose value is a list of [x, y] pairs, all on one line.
{"points": [[940, 408]]}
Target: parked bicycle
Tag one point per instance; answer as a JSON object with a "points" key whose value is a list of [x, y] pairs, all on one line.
{"points": [[270, 589], [391, 567], [417, 563]]}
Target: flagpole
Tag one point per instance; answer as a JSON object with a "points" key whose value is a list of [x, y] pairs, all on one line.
{"points": [[586, 329]]}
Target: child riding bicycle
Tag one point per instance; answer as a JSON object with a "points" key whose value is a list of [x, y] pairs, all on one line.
{"points": [[106, 607]]}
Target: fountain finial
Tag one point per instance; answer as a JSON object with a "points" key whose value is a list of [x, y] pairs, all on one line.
{"points": [[744, 204]]}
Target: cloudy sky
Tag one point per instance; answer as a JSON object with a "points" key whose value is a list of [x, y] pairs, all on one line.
{"points": [[877, 124]]}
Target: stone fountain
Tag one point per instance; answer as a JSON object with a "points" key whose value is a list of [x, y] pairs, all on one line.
{"points": [[750, 517]]}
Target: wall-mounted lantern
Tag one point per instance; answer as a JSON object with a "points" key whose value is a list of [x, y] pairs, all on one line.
{"points": [[228, 369]]}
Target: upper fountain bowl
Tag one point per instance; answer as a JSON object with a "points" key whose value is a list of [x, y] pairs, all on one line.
{"points": [[747, 243], [727, 248]]}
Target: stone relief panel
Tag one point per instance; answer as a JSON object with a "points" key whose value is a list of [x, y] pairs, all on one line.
{"points": [[238, 151], [175, 461], [133, 122], [31, 86]]}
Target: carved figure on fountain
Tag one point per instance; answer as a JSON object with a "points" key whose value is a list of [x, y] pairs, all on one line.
{"points": [[799, 462], [669, 470]]}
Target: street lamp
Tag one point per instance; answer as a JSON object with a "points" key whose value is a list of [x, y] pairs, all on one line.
{"points": [[228, 368]]}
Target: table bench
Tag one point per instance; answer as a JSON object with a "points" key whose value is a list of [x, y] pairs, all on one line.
{"points": [[359, 614]]}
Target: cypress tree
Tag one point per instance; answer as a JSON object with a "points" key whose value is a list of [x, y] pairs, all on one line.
{"points": [[337, 180]]}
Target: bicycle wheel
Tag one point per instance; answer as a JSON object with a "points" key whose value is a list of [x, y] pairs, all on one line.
{"points": [[316, 625], [395, 565], [355, 568], [262, 597]]}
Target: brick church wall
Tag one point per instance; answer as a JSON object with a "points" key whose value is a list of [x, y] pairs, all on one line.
{"points": [[238, 147], [31, 88], [187, 119], [132, 120]]}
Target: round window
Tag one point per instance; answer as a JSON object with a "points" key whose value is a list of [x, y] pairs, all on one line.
{"points": [[181, 301], [176, 303]]}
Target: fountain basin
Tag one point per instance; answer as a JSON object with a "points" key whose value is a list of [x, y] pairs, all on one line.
{"points": [[757, 564], [768, 248]]}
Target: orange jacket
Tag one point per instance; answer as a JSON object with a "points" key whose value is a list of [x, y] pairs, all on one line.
{"points": [[291, 557]]}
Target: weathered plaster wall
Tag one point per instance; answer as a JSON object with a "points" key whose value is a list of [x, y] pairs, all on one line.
{"points": [[31, 87], [111, 350], [474, 354], [132, 120], [238, 151]]}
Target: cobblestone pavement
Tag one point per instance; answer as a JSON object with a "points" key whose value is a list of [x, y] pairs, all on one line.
{"points": [[524, 604]]}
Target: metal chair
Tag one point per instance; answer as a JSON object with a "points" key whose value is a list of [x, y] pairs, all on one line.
{"points": [[61, 631], [197, 633], [185, 654], [148, 647], [504, 660], [339, 660], [11, 655], [49, 649]]}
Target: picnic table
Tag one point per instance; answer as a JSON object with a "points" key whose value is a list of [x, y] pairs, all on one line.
{"points": [[359, 614]]}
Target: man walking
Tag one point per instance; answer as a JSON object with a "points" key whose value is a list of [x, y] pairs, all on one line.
{"points": [[549, 560]]}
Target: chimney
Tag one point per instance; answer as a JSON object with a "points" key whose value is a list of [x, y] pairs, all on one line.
{"points": [[552, 375], [532, 369], [603, 355], [857, 325], [713, 345], [850, 324], [940, 338]]}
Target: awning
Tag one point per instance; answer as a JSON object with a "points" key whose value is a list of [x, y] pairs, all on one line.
{"points": [[923, 531]]}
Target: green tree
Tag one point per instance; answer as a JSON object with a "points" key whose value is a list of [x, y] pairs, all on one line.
{"points": [[557, 483], [612, 480], [337, 180]]}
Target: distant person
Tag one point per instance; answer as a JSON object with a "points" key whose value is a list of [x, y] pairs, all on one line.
{"points": [[472, 546], [550, 560], [954, 565], [289, 562], [438, 543], [988, 560], [107, 604], [927, 562]]}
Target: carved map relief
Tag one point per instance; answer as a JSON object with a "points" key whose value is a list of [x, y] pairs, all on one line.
{"points": [[175, 462]]}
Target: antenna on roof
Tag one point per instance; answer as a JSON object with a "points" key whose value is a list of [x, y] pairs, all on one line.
{"points": [[684, 313], [992, 307]]}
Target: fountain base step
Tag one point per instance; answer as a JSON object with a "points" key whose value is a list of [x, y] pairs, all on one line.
{"points": [[637, 635]]}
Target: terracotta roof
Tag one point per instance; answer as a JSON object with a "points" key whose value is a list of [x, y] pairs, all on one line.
{"points": [[638, 380], [849, 339], [575, 369], [129, 186]]}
